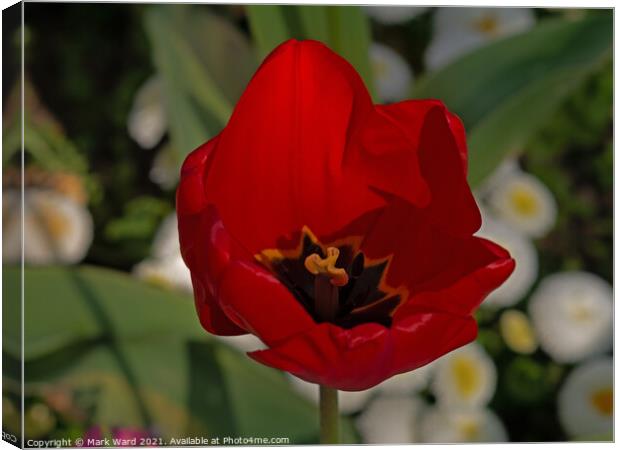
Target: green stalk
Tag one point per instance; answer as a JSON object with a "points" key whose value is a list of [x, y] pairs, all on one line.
{"points": [[330, 427]]}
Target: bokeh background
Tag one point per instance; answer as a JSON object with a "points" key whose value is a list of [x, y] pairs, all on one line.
{"points": [[116, 96]]}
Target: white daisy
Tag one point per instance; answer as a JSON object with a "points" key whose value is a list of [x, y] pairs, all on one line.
{"points": [[465, 377], [572, 313], [585, 400], [165, 169], [147, 122], [166, 267], [524, 253], [57, 230], [525, 203], [508, 167], [390, 420], [517, 332], [348, 402], [169, 273], [244, 343], [460, 30], [447, 425], [392, 74], [390, 15], [406, 383], [166, 240]]}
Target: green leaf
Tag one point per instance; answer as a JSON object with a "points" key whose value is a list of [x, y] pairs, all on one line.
{"points": [[90, 303], [188, 46], [314, 22], [268, 26], [242, 381], [506, 91], [345, 29], [509, 127], [350, 37], [143, 353]]}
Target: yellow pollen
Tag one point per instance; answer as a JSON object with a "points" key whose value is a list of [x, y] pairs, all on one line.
{"points": [[466, 375], [487, 25], [327, 266], [524, 202], [603, 401]]}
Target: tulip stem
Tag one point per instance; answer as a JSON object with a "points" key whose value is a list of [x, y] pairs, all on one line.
{"points": [[326, 306], [330, 427]]}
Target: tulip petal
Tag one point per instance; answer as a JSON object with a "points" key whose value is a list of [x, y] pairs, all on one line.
{"points": [[254, 299], [278, 165], [439, 137], [347, 359], [211, 316], [205, 246], [479, 267], [361, 357], [190, 198], [423, 336]]}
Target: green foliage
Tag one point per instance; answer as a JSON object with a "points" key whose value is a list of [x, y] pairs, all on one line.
{"points": [[148, 359], [197, 77], [134, 230], [573, 156], [131, 354], [345, 29], [504, 102]]}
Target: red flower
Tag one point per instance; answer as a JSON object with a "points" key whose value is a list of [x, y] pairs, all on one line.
{"points": [[307, 165]]}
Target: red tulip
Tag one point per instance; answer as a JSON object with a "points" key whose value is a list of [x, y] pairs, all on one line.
{"points": [[337, 231]]}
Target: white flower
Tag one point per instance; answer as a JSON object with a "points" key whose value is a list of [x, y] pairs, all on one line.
{"points": [[165, 169], [244, 343], [585, 400], [517, 332], [390, 420], [508, 167], [57, 229], [391, 72], [465, 377], [447, 425], [147, 122], [525, 203], [572, 313], [166, 241], [460, 30], [348, 402], [170, 273], [166, 266], [524, 253], [389, 15], [406, 383]]}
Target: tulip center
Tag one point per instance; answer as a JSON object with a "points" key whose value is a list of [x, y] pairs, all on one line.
{"points": [[335, 283]]}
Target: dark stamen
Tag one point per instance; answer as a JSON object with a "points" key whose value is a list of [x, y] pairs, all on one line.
{"points": [[325, 298]]}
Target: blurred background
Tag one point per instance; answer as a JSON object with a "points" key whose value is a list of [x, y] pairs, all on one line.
{"points": [[117, 94]]}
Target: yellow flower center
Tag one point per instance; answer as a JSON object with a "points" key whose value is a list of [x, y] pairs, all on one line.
{"points": [[56, 224], [524, 202], [380, 68], [466, 375], [517, 332], [603, 401], [469, 429], [158, 280], [580, 313], [487, 25]]}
